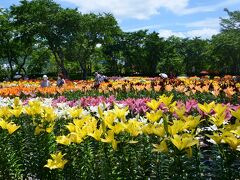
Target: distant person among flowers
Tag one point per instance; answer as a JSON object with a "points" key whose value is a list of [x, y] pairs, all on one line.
{"points": [[45, 82], [163, 75], [99, 78], [60, 80]]}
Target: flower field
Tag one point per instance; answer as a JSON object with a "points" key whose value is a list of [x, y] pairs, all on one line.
{"points": [[128, 128]]}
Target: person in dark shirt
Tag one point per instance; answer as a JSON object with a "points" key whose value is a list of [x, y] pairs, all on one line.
{"points": [[60, 80], [99, 79]]}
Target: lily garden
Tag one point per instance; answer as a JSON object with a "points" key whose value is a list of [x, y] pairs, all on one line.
{"points": [[135, 128], [137, 125]]}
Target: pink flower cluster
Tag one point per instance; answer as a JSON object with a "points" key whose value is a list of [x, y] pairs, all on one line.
{"points": [[137, 106]]}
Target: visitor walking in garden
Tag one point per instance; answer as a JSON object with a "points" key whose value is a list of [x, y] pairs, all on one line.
{"points": [[99, 79], [45, 82]]}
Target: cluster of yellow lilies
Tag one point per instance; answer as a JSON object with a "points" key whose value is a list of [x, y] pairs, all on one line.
{"points": [[174, 128]]}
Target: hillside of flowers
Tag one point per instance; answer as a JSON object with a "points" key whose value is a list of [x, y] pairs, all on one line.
{"points": [[128, 128]]}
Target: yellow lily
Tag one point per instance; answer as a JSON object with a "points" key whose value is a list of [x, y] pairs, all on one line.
{"points": [[71, 127], [36, 107], [78, 123], [158, 130], [147, 129], [96, 134], [63, 140], [16, 101], [191, 122], [178, 126], [154, 116], [218, 120], [5, 112], [109, 138], [48, 114], [162, 147], [232, 141], [3, 124], [11, 127], [121, 113], [236, 130], [206, 107], [134, 127], [184, 141], [180, 111], [76, 112], [166, 100], [100, 111], [119, 127], [215, 137], [50, 127], [17, 111], [153, 104], [56, 162], [236, 113], [38, 129], [219, 109], [77, 137], [109, 118]]}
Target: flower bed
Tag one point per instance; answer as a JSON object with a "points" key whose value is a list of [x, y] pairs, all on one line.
{"points": [[189, 87], [102, 137]]}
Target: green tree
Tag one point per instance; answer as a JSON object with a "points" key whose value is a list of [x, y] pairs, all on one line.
{"points": [[195, 55], [226, 45], [95, 30], [133, 44], [15, 49], [154, 47], [172, 61], [232, 23], [113, 53], [49, 24]]}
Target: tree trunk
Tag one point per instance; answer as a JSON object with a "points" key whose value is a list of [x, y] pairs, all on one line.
{"points": [[84, 70], [62, 66], [59, 58]]}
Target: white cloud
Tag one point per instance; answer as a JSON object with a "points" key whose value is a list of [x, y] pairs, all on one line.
{"points": [[143, 9], [204, 33], [149, 27], [209, 22], [209, 8], [167, 33], [138, 9], [213, 23]]}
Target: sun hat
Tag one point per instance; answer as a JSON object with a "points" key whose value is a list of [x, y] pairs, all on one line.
{"points": [[45, 76], [163, 75]]}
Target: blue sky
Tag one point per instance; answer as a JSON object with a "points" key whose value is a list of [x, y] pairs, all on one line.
{"points": [[183, 18]]}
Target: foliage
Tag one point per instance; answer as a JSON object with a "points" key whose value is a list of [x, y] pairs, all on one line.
{"points": [[84, 43]]}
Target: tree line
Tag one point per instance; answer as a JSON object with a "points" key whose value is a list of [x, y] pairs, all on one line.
{"points": [[40, 36]]}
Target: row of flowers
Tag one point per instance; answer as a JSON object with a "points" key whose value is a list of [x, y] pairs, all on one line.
{"points": [[187, 86], [136, 106], [177, 127]]}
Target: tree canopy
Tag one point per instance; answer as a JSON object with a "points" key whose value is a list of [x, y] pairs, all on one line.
{"points": [[40, 36]]}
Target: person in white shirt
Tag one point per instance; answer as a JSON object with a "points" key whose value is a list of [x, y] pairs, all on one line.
{"points": [[45, 82]]}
